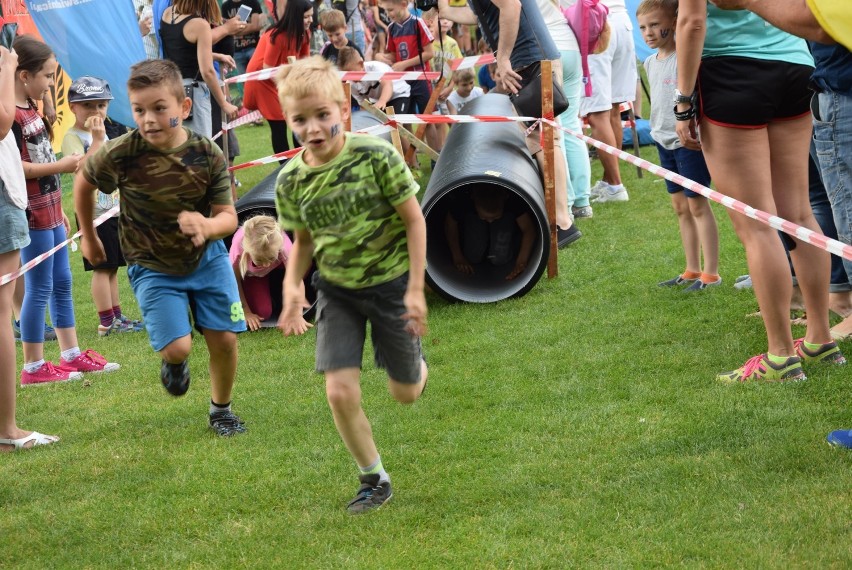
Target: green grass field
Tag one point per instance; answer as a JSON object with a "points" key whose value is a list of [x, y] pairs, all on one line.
{"points": [[578, 426]]}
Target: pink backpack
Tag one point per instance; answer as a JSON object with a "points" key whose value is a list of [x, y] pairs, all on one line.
{"points": [[587, 19]]}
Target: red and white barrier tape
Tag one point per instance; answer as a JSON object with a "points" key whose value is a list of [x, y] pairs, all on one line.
{"points": [[776, 222], [9, 277], [264, 74], [238, 122], [408, 119], [472, 61], [374, 130]]}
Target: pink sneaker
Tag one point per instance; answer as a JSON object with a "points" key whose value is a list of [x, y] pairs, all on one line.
{"points": [[88, 361], [48, 373]]}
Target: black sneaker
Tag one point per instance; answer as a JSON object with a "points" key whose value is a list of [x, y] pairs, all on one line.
{"points": [[226, 423], [567, 237], [372, 494], [175, 377]]}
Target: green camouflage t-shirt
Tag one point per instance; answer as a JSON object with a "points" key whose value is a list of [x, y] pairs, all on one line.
{"points": [[348, 206], [156, 186]]}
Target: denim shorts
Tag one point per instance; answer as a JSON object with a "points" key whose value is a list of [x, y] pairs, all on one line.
{"points": [[14, 230], [342, 316], [689, 164], [210, 293]]}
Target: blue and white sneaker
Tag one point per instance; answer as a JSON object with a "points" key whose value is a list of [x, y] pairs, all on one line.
{"points": [[840, 438]]}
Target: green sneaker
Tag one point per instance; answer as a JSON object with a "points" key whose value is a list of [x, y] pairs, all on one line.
{"points": [[828, 353], [760, 369]]}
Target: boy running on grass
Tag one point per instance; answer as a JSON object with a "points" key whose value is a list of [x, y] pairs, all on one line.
{"points": [[175, 208], [350, 201]]}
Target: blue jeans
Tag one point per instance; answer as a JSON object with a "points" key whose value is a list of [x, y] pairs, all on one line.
{"points": [[358, 37], [821, 207], [48, 283], [833, 143]]}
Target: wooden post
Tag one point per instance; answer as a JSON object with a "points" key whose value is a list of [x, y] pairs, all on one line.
{"points": [[635, 132], [549, 176], [397, 142], [406, 134], [421, 129], [347, 96]]}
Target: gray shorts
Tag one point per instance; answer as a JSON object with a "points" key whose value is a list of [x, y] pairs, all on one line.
{"points": [[342, 316], [14, 230]]}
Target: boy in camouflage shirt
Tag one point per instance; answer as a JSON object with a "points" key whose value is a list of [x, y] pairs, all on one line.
{"points": [[175, 207], [350, 201]]}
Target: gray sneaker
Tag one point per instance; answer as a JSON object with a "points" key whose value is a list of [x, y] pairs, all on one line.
{"points": [[612, 194], [700, 285], [582, 211], [372, 494], [596, 190], [743, 282]]}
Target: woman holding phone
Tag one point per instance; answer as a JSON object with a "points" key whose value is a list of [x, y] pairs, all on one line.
{"points": [[187, 39]]}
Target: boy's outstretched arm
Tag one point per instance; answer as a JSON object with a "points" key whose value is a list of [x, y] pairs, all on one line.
{"points": [[525, 222], [222, 222], [292, 320], [415, 298], [84, 206]]}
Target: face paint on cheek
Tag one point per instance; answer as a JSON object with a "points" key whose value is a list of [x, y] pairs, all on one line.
{"points": [[335, 130], [173, 121], [665, 33]]}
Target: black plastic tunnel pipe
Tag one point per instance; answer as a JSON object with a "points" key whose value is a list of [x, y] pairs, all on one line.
{"points": [[475, 155]]}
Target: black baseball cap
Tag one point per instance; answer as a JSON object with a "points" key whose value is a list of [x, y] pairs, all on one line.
{"points": [[88, 88]]}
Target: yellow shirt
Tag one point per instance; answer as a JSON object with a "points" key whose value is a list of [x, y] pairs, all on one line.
{"points": [[835, 17]]}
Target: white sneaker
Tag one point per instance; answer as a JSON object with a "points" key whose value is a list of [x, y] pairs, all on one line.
{"points": [[612, 194], [596, 190]]}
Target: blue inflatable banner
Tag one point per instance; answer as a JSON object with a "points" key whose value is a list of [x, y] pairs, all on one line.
{"points": [[93, 37]]}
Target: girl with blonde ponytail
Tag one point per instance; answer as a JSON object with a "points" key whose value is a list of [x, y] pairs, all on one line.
{"points": [[258, 247]]}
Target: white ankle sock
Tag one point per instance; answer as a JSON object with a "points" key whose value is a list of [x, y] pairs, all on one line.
{"points": [[33, 366], [71, 354]]}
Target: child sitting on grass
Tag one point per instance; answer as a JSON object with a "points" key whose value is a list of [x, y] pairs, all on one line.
{"points": [[351, 203], [89, 99], [483, 227], [175, 208], [698, 232]]}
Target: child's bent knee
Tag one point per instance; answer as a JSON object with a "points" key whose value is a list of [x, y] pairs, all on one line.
{"points": [[177, 351]]}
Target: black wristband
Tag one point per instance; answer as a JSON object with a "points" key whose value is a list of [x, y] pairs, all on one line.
{"points": [[684, 115]]}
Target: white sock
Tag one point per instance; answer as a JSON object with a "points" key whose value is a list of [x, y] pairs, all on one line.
{"points": [[71, 354], [33, 366]]}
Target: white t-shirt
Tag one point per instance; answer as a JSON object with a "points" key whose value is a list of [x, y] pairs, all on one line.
{"points": [[458, 101], [372, 90], [12, 172], [559, 30], [615, 6]]}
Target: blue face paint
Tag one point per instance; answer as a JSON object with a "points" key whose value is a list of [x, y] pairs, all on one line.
{"points": [[665, 33], [335, 130], [173, 121]]}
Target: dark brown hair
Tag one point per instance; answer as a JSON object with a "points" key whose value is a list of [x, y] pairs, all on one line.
{"points": [[157, 73]]}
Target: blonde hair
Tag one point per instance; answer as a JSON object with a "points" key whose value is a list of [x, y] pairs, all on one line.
{"points": [[262, 241], [332, 20], [310, 77], [668, 6]]}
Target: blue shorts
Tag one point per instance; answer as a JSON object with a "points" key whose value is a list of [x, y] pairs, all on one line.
{"points": [[689, 164], [210, 293], [14, 230]]}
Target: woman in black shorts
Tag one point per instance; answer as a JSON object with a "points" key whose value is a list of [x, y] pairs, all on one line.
{"points": [[746, 83]]}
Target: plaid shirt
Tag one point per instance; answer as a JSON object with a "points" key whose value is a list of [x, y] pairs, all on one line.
{"points": [[44, 194]]}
